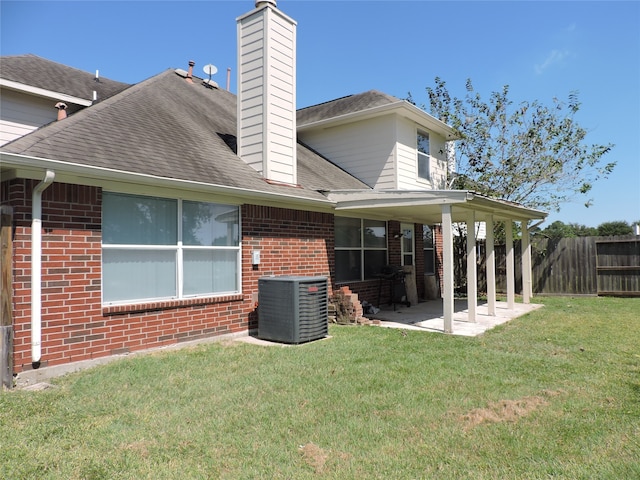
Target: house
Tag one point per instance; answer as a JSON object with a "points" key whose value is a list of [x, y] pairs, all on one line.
{"points": [[136, 219], [35, 91]]}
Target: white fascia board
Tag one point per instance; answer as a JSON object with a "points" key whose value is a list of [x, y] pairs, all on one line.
{"points": [[398, 197], [41, 92], [462, 200], [504, 209], [23, 166], [401, 107]]}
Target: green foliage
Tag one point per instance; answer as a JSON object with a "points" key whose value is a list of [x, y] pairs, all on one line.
{"points": [[614, 228], [560, 229], [528, 153]]}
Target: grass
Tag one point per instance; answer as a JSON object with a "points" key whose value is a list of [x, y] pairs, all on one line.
{"points": [[553, 394]]}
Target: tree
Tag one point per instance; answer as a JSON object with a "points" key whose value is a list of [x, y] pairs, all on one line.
{"points": [[614, 228], [528, 153], [560, 229]]}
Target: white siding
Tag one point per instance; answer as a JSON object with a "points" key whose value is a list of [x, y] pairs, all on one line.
{"points": [[21, 114], [266, 94], [408, 161], [365, 149]]}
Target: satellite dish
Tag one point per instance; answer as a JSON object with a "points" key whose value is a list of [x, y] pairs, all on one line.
{"points": [[210, 70]]}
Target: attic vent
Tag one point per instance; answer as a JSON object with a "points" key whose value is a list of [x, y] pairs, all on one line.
{"points": [[210, 84]]}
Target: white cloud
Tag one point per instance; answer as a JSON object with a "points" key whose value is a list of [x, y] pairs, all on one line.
{"points": [[554, 58]]}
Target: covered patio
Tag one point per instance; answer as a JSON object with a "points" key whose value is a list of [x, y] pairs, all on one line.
{"points": [[429, 317], [446, 207]]}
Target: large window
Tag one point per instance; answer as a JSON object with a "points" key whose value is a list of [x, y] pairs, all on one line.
{"points": [[361, 248], [159, 248], [423, 155], [429, 251]]}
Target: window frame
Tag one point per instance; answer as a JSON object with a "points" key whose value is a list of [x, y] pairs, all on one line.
{"points": [[362, 248], [429, 251], [422, 156], [178, 249]]}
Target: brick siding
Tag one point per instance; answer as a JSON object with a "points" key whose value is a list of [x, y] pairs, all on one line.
{"points": [[75, 325]]}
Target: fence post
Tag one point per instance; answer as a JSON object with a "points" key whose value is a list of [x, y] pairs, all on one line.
{"points": [[6, 289]]}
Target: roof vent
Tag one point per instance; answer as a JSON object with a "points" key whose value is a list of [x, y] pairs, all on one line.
{"points": [[62, 110], [190, 72]]}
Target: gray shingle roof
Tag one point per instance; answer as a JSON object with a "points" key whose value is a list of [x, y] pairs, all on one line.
{"points": [[167, 127], [343, 106], [42, 73]]}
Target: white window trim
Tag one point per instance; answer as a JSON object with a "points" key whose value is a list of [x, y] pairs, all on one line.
{"points": [[420, 154], [179, 248]]}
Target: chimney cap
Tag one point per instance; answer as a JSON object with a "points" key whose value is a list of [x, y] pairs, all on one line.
{"points": [[260, 3]]}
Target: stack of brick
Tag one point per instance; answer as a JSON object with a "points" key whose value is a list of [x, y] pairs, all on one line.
{"points": [[345, 307]]}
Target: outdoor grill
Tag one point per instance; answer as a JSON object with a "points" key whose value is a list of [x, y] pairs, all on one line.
{"points": [[393, 275]]}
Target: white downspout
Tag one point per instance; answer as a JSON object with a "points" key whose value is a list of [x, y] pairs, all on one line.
{"points": [[36, 267]]}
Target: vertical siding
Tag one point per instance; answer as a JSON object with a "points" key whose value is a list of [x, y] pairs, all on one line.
{"points": [[266, 91], [21, 114], [365, 149]]}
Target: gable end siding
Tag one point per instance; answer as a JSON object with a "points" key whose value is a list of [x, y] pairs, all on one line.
{"points": [[21, 114], [365, 149]]}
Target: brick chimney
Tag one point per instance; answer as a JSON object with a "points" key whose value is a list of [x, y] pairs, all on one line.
{"points": [[267, 92]]}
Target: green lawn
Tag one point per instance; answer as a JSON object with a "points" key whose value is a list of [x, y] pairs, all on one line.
{"points": [[554, 394]]}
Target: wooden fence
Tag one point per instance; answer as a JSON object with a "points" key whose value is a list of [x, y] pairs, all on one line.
{"points": [[573, 266]]}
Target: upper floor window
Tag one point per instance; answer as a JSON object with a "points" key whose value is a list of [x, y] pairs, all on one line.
{"points": [[361, 248], [423, 155], [163, 248]]}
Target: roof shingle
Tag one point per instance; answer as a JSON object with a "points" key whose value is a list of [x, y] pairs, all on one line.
{"points": [[167, 127]]}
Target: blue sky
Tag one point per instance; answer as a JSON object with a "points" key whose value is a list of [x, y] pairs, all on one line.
{"points": [[541, 49]]}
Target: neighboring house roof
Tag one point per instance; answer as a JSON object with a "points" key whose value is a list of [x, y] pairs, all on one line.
{"points": [[39, 76], [166, 127], [368, 104]]}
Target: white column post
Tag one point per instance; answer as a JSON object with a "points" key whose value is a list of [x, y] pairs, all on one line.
{"points": [[491, 268], [527, 290], [508, 227], [472, 275], [447, 268]]}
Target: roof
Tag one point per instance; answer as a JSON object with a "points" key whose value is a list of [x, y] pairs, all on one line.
{"points": [[343, 106], [50, 78], [425, 206], [364, 105], [168, 128]]}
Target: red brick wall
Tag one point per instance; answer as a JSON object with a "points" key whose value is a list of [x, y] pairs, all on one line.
{"points": [[291, 242], [75, 325]]}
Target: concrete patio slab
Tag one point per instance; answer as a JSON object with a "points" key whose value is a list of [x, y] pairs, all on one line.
{"points": [[428, 316]]}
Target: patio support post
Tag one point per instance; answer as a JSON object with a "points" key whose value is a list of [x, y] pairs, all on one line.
{"points": [[527, 290], [491, 268], [508, 227], [472, 275], [447, 267]]}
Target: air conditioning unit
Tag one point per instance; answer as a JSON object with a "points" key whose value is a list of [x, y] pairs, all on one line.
{"points": [[292, 309]]}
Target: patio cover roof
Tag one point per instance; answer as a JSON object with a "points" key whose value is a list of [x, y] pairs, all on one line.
{"points": [[426, 206]]}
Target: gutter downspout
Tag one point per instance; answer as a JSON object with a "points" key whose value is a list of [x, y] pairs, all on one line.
{"points": [[36, 267]]}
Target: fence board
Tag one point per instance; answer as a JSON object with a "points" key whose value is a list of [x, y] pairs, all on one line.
{"points": [[618, 266], [574, 266]]}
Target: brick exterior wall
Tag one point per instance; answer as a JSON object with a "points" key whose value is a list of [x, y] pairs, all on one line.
{"points": [[75, 325]]}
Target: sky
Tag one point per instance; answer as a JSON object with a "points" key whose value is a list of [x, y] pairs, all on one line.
{"points": [[541, 49]]}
